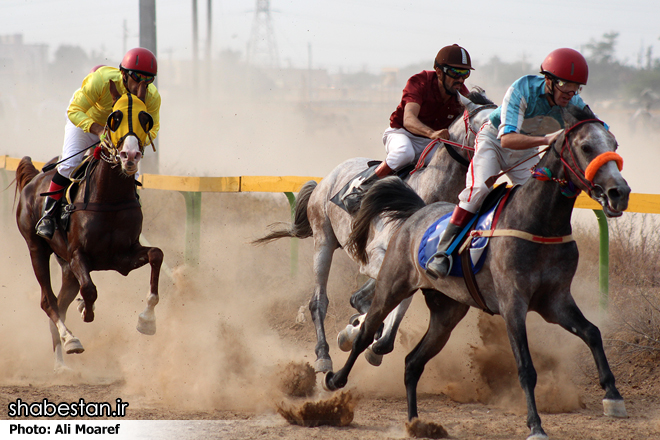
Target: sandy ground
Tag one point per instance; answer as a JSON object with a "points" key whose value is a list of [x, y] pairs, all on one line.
{"points": [[226, 330]]}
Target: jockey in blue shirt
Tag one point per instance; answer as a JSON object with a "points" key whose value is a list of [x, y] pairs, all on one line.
{"points": [[529, 118]]}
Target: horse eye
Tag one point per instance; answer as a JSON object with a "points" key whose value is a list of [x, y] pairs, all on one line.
{"points": [[587, 149]]}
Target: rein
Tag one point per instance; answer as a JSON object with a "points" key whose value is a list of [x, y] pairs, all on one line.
{"points": [[463, 146]]}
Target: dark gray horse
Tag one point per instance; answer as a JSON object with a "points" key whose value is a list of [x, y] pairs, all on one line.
{"points": [[518, 275], [315, 215]]}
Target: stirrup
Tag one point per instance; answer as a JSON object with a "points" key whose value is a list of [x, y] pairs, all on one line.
{"points": [[433, 273]]}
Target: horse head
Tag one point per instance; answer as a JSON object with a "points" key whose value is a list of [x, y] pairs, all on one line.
{"points": [[588, 153], [128, 126]]}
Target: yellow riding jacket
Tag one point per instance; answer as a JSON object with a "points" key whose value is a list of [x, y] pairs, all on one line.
{"points": [[92, 102]]}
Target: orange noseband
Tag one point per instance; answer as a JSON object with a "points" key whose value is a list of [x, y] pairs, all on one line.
{"points": [[601, 160]]}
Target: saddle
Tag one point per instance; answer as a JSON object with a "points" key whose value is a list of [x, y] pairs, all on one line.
{"points": [[472, 254], [337, 199]]}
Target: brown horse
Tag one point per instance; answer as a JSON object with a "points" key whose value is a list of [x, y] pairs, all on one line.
{"points": [[103, 229]]}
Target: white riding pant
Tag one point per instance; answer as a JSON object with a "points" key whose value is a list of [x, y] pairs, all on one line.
{"points": [[489, 160], [404, 148], [75, 140]]}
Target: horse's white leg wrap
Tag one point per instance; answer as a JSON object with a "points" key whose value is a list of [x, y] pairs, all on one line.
{"points": [[346, 337], [70, 343], [147, 319], [614, 408]]}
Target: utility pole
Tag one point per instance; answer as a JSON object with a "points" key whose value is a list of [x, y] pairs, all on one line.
{"points": [[262, 49], [149, 164], [195, 44]]}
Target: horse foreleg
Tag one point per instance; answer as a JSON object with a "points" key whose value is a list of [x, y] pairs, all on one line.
{"points": [[80, 268], [514, 314], [147, 319], [568, 315], [361, 298], [445, 315], [391, 289], [385, 344]]}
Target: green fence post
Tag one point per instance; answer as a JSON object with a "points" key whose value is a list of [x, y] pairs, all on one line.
{"points": [[294, 241], [604, 259], [193, 227]]}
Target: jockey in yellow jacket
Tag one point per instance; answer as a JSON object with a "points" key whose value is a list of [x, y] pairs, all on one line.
{"points": [[87, 114]]}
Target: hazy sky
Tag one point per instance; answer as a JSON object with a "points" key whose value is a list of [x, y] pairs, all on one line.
{"points": [[348, 34]]}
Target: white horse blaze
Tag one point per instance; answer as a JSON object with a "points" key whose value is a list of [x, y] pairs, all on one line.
{"points": [[130, 155]]}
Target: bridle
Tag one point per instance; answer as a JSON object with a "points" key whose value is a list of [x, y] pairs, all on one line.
{"points": [[584, 176]]}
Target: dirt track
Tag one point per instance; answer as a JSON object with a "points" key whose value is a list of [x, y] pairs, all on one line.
{"points": [[223, 333]]}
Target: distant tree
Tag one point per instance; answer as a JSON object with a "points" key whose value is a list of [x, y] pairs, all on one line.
{"points": [[602, 52]]}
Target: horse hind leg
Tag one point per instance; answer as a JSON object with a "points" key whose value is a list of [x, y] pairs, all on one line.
{"points": [[445, 315], [147, 319], [568, 315], [68, 292], [63, 339]]}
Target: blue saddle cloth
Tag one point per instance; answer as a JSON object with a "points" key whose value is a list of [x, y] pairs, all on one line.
{"points": [[429, 244]]}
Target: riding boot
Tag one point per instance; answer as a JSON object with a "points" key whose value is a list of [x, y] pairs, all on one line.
{"points": [[361, 184], [439, 265], [46, 225]]}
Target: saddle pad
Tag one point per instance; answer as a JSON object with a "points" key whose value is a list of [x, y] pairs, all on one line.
{"points": [[429, 244]]}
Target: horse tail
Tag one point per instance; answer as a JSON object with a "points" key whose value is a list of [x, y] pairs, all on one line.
{"points": [[25, 172], [390, 198], [300, 228]]}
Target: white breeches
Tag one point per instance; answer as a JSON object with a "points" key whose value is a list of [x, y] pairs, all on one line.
{"points": [[404, 148], [489, 160], [75, 140]]}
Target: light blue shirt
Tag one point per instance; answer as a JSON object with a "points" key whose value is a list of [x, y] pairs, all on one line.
{"points": [[526, 109]]}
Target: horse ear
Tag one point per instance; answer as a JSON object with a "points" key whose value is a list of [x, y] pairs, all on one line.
{"points": [[146, 121], [114, 120], [113, 91], [142, 91]]}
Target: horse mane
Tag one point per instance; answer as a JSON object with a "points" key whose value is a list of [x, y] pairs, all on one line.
{"points": [[478, 96], [391, 198], [581, 114]]}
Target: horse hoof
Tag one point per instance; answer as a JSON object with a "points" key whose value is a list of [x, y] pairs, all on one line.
{"points": [[146, 326], [326, 385], [538, 437], [614, 408], [73, 346], [373, 358], [323, 365], [346, 337]]}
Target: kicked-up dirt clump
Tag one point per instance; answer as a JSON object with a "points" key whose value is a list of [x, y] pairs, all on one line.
{"points": [[419, 429], [338, 410], [297, 379]]}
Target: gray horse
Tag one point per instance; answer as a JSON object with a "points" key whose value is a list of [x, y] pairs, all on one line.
{"points": [[518, 275], [315, 215]]}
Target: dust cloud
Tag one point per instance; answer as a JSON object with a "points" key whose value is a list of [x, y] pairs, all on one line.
{"points": [[226, 327]]}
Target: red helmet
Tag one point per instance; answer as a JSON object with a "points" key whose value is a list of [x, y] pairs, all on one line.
{"points": [[140, 60], [454, 56], [567, 64]]}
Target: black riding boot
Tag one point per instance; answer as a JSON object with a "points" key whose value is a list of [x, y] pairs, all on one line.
{"points": [[46, 225], [359, 187], [361, 184]]}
